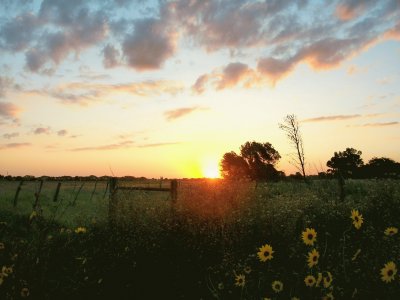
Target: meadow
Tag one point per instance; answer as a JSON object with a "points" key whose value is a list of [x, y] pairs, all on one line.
{"points": [[220, 240]]}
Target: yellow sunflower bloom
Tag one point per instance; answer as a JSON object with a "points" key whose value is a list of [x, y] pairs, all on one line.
{"points": [[327, 280], [310, 280], [6, 271], [240, 280], [265, 253], [328, 296], [277, 286], [313, 257], [391, 231], [24, 292], [247, 270], [319, 279], [309, 236], [80, 230], [357, 218], [388, 272]]}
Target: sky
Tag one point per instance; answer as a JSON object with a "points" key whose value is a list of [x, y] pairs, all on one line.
{"points": [[165, 88]]}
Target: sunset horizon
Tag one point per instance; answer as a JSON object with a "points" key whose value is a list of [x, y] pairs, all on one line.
{"points": [[165, 88]]}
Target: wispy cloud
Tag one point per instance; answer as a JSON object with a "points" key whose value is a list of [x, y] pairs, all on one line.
{"points": [[332, 118], [42, 130], [380, 124], [14, 145], [158, 145], [125, 144], [174, 114], [62, 132], [10, 135]]}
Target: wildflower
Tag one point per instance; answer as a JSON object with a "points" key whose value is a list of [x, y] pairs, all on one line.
{"points": [[327, 280], [319, 279], [391, 231], [357, 218], [221, 286], [265, 253], [356, 255], [328, 296], [309, 236], [24, 292], [33, 215], [310, 280], [247, 270], [388, 272], [240, 280], [80, 230], [2, 247], [277, 286], [6, 271], [313, 257]]}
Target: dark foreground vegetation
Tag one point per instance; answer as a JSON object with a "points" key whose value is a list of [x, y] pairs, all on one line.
{"points": [[221, 240]]}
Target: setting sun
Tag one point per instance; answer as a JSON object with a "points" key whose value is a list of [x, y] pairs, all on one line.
{"points": [[211, 169]]}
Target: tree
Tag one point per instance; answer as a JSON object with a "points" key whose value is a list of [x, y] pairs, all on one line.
{"points": [[346, 163], [382, 167], [256, 161], [290, 125], [234, 166]]}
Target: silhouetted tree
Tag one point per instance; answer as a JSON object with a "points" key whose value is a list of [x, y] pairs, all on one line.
{"points": [[256, 161], [346, 163], [234, 166], [291, 126], [382, 167], [261, 158]]}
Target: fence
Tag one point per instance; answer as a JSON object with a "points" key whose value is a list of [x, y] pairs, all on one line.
{"points": [[114, 200]]}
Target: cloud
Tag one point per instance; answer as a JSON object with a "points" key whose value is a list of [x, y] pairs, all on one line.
{"points": [[16, 34], [14, 145], [274, 69], [158, 145], [174, 114], [149, 46], [349, 9], [199, 85], [380, 124], [5, 84], [125, 144], [9, 110], [42, 130], [10, 135], [332, 118], [111, 56], [62, 132]]}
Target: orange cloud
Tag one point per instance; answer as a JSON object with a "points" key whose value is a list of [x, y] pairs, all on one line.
{"points": [[180, 112]]}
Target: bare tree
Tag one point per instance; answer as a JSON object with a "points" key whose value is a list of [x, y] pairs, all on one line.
{"points": [[291, 126]]}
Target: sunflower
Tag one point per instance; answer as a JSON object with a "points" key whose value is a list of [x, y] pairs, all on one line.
{"points": [[277, 286], [247, 270], [327, 280], [24, 292], [265, 253], [80, 230], [388, 272], [357, 218], [240, 280], [309, 236], [310, 280], [391, 231], [319, 279], [313, 257], [6, 271], [328, 296]]}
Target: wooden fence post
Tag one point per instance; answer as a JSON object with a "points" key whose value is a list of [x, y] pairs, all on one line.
{"points": [[174, 190], [112, 203], [17, 193], [77, 194], [37, 194], [55, 198], [94, 190]]}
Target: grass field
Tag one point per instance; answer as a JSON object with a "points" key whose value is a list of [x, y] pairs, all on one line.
{"points": [[221, 240]]}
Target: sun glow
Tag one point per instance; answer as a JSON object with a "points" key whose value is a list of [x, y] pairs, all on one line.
{"points": [[211, 169]]}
